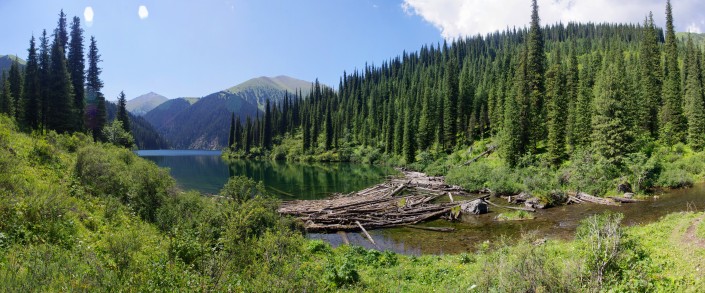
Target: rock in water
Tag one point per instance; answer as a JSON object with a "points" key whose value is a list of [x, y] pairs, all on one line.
{"points": [[475, 207]]}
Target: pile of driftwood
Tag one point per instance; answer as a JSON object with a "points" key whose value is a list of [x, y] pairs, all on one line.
{"points": [[399, 201]]}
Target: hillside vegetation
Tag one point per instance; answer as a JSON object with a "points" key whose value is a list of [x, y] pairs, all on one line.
{"points": [[84, 216]]}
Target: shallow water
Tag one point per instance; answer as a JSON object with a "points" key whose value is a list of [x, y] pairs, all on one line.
{"points": [[206, 172]]}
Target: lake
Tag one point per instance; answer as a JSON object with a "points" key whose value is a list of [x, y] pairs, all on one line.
{"points": [[206, 172]]}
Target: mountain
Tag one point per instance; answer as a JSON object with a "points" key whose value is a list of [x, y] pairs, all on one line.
{"points": [[146, 137], [257, 90], [145, 103], [203, 123], [697, 38], [6, 62]]}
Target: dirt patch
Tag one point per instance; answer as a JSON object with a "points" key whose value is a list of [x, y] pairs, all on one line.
{"points": [[691, 237]]}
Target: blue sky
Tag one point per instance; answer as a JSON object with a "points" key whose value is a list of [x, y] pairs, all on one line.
{"points": [[193, 48]]}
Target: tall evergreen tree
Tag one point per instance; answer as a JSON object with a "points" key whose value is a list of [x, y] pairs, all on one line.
{"points": [[535, 71], [328, 132], [267, 128], [409, 140], [514, 134], [572, 84], [44, 79], [60, 113], [61, 34], [76, 66], [122, 115], [557, 110], [672, 123], [231, 136], [650, 78], [95, 114], [15, 80], [32, 93], [7, 106], [425, 133], [450, 110], [694, 108], [611, 135]]}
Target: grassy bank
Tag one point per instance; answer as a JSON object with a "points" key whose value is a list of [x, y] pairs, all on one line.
{"points": [[80, 216]]}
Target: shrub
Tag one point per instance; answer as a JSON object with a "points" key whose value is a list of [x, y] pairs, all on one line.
{"points": [[675, 178], [601, 244]]}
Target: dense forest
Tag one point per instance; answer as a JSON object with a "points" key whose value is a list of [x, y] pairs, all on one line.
{"points": [[539, 90], [55, 91]]}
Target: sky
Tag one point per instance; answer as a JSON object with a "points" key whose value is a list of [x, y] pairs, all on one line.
{"points": [[181, 48]]}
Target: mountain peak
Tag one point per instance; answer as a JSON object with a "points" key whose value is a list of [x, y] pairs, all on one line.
{"points": [[145, 103], [281, 82]]}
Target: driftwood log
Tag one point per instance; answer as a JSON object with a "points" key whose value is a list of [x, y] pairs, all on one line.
{"points": [[400, 201]]}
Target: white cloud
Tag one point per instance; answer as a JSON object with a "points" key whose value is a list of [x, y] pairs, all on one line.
{"points": [[470, 17], [88, 15], [143, 12], [694, 28]]}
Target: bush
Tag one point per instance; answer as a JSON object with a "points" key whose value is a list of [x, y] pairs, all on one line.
{"points": [[675, 178], [601, 244]]}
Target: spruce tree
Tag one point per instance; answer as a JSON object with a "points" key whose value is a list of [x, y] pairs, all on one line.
{"points": [[514, 134], [122, 115], [96, 114], [7, 106], [328, 130], [76, 66], [231, 136], [60, 113], [32, 94], [672, 123], [535, 71], [425, 132], [44, 79], [650, 78], [694, 108], [61, 34], [409, 140], [267, 128], [611, 135], [15, 80], [450, 104], [557, 110], [572, 84], [583, 109]]}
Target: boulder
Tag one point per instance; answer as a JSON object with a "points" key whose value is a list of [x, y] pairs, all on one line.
{"points": [[624, 187], [475, 207], [628, 195]]}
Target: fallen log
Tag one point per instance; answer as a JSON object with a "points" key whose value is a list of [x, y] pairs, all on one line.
{"points": [[365, 232], [485, 153], [436, 229], [511, 208], [624, 199], [593, 199]]}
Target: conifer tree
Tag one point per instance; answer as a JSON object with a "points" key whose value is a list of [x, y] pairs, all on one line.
{"points": [[7, 106], [231, 136], [557, 110], [76, 67], [425, 121], [61, 34], [535, 71], [611, 135], [96, 114], [60, 113], [267, 128], [15, 80], [32, 88], [450, 104], [672, 124], [650, 78], [328, 130], [583, 109], [572, 84], [409, 140], [694, 108], [44, 79], [514, 134], [122, 112]]}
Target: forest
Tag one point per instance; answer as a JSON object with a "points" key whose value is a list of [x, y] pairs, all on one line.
{"points": [[579, 106]]}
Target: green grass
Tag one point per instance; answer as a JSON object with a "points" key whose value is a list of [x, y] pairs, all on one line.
{"points": [[515, 216]]}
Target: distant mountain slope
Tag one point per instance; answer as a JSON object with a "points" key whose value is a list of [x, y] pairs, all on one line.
{"points": [[257, 90], [146, 137], [204, 124], [145, 103], [6, 62], [697, 38]]}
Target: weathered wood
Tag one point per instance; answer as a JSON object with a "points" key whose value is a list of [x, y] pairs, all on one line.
{"points": [[510, 207], [624, 199], [436, 229], [593, 199], [365, 232], [450, 196], [485, 153]]}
